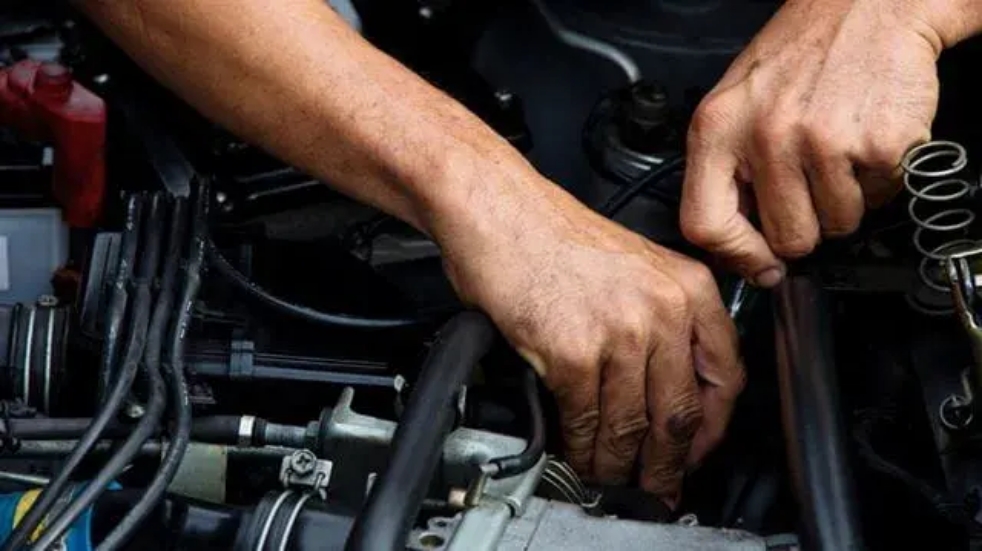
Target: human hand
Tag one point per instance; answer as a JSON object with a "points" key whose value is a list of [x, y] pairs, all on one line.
{"points": [[810, 123], [632, 338]]}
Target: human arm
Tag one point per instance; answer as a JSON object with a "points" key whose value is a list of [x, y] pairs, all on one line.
{"points": [[621, 330], [810, 123]]}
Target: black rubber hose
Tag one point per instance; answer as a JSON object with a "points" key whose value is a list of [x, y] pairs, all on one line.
{"points": [[149, 263], [240, 281], [396, 497], [625, 195], [219, 429], [813, 428], [162, 314], [133, 353], [181, 400], [120, 459], [116, 310], [505, 467], [215, 429]]}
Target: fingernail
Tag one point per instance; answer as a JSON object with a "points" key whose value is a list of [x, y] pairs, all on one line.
{"points": [[769, 277]]}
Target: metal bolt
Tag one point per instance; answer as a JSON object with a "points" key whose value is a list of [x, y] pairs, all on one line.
{"points": [[303, 462], [101, 79], [221, 197], [426, 12], [47, 301]]}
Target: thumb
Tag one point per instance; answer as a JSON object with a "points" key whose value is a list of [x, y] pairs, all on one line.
{"points": [[711, 217]]}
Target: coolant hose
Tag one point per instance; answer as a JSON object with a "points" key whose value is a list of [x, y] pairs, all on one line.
{"points": [[395, 498], [811, 415]]}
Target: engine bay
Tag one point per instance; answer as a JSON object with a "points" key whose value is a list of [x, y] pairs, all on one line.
{"points": [[204, 348]]}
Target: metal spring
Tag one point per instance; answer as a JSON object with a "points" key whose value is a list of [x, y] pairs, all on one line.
{"points": [[938, 186]]}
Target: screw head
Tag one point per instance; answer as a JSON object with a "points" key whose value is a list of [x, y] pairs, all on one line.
{"points": [[303, 462]]}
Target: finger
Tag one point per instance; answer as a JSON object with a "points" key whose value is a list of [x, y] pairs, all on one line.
{"points": [[676, 414], [879, 162], [784, 200], [837, 195], [878, 190], [715, 358], [577, 397], [623, 418], [718, 403], [711, 216]]}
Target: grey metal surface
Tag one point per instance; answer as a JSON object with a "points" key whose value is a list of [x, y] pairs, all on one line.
{"points": [[553, 526], [202, 473]]}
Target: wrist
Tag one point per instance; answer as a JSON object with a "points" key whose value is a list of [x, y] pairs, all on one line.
{"points": [[952, 20]]}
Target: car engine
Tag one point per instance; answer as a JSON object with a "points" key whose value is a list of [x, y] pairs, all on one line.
{"points": [[204, 348]]}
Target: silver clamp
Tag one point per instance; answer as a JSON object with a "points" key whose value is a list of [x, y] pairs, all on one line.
{"points": [[302, 470], [247, 425], [290, 521]]}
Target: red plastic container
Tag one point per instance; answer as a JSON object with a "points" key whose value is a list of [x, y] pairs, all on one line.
{"points": [[44, 103]]}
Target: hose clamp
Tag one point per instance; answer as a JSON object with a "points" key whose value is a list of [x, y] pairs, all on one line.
{"points": [[247, 426]]}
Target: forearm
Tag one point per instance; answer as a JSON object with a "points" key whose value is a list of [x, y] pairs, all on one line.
{"points": [[292, 77]]}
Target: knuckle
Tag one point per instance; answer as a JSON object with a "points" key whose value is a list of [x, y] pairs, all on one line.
{"points": [[580, 428], [700, 279], [711, 117], [577, 354], [699, 229], [843, 223], [772, 133], [663, 480], [711, 234], [708, 233], [685, 416], [624, 436], [675, 303], [887, 149], [633, 330], [821, 140]]}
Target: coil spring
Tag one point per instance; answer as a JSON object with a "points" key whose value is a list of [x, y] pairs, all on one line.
{"points": [[931, 175]]}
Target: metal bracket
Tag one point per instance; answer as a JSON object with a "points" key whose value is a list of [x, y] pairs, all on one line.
{"points": [[302, 470]]}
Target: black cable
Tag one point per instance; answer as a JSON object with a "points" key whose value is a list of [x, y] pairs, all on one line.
{"points": [[625, 195], [149, 263], [180, 402], [133, 353], [250, 288], [397, 495], [119, 460], [517, 464], [116, 309]]}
